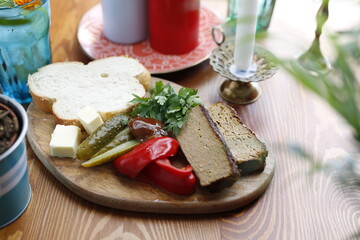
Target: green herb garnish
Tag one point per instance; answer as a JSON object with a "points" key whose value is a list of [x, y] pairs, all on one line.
{"points": [[167, 106]]}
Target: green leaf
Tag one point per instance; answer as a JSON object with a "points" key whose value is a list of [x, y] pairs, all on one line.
{"points": [[160, 99], [194, 100], [159, 86], [138, 99]]}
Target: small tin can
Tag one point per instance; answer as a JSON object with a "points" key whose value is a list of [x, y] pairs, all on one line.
{"points": [[15, 190]]}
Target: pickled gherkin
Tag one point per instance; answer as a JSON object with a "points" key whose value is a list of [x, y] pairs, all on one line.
{"points": [[102, 136], [123, 136], [111, 154]]}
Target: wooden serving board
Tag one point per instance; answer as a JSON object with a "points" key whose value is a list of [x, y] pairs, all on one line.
{"points": [[104, 186]]}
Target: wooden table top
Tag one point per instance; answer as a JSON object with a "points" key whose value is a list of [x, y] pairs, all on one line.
{"points": [[295, 206]]}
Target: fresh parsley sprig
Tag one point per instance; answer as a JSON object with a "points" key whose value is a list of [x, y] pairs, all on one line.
{"points": [[167, 106]]}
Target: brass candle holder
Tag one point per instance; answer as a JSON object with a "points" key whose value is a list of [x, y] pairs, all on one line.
{"points": [[242, 88]]}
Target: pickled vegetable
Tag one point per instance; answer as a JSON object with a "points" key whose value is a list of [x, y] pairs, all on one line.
{"points": [[123, 136], [111, 154], [146, 128], [101, 136]]}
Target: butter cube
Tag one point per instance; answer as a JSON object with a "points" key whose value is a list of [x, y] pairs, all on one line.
{"points": [[90, 119], [65, 141]]}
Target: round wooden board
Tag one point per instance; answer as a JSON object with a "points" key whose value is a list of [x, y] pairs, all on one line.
{"points": [[104, 186]]}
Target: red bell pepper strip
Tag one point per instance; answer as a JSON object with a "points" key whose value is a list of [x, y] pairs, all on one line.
{"points": [[133, 162], [179, 181]]}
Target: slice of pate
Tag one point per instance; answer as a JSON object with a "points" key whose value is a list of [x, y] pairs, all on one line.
{"points": [[206, 151], [248, 151]]}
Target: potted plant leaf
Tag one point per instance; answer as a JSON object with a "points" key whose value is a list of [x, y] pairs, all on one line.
{"points": [[338, 86]]}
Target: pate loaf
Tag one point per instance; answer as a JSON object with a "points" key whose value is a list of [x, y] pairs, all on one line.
{"points": [[206, 151], [248, 151], [105, 85]]}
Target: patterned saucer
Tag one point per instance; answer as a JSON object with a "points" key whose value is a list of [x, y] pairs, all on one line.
{"points": [[96, 46]]}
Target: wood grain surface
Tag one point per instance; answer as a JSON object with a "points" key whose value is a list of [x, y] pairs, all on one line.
{"points": [[297, 205], [104, 186]]}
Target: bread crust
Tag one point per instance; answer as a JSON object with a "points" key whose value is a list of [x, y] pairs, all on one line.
{"points": [[43, 103], [145, 79], [61, 121]]}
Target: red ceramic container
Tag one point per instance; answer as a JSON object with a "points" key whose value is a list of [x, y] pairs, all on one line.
{"points": [[173, 25]]}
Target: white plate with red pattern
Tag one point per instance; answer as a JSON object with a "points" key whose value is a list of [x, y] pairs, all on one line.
{"points": [[96, 46]]}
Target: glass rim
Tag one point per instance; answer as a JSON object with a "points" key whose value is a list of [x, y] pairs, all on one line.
{"points": [[26, 4]]}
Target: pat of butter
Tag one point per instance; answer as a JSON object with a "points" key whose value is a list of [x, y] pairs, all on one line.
{"points": [[90, 119], [65, 141]]}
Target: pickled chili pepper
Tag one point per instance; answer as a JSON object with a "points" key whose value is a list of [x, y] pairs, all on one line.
{"points": [[176, 180], [146, 128], [133, 162]]}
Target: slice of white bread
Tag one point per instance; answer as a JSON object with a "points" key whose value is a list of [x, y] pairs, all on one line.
{"points": [[105, 85]]}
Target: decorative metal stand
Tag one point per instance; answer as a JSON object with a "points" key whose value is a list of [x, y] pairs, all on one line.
{"points": [[242, 90]]}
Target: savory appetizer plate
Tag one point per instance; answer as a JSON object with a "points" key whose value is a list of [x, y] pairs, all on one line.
{"points": [[105, 186]]}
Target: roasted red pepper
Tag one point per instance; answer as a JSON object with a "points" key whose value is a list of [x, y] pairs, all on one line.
{"points": [[179, 181], [133, 162]]}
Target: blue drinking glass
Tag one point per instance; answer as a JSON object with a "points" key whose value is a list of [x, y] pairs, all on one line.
{"points": [[24, 46], [264, 14]]}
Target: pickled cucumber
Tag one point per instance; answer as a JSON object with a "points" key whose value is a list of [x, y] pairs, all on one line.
{"points": [[123, 136], [101, 136], [111, 154]]}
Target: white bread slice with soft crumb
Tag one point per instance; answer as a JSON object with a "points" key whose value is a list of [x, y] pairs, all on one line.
{"points": [[127, 65], [105, 85]]}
